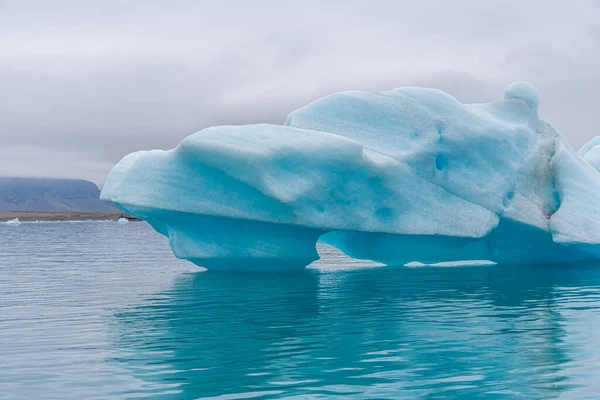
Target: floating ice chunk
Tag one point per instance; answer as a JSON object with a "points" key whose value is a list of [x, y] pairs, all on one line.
{"points": [[122, 220], [471, 263], [408, 175], [14, 222]]}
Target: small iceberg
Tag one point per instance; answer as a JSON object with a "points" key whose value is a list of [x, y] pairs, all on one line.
{"points": [[14, 222], [123, 220]]}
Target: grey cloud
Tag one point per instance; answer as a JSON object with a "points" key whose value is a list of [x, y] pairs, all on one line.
{"points": [[84, 83]]}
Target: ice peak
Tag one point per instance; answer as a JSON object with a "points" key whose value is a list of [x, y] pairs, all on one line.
{"points": [[525, 92]]}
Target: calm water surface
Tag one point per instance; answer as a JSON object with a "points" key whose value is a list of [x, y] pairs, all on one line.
{"points": [[103, 310]]}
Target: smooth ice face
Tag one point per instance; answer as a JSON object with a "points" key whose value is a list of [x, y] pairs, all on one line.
{"points": [[408, 175], [591, 152]]}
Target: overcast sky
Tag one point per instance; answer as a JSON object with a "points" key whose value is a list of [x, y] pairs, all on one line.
{"points": [[84, 82]]}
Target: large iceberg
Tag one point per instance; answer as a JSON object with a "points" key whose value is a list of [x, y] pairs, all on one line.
{"points": [[408, 175]]}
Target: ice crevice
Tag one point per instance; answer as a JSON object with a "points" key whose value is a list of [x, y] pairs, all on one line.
{"points": [[405, 175]]}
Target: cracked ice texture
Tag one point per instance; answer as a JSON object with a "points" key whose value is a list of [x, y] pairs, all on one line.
{"points": [[405, 175]]}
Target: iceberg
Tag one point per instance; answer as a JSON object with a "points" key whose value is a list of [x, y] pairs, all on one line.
{"points": [[14, 222], [122, 220], [410, 175]]}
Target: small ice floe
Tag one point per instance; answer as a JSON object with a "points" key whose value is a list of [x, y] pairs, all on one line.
{"points": [[122, 220], [465, 263], [14, 222]]}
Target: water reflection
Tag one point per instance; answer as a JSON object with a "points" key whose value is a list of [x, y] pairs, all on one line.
{"points": [[379, 333]]}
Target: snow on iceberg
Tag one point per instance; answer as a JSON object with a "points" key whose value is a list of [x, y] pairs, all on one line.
{"points": [[408, 175]]}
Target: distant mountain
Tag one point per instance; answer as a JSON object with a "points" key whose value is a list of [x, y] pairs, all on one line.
{"points": [[38, 194]]}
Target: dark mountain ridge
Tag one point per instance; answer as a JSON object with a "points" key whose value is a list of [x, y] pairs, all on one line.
{"points": [[45, 194]]}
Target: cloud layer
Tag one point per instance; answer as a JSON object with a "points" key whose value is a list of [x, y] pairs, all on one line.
{"points": [[84, 83]]}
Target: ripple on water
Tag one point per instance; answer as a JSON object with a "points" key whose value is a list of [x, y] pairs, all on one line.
{"points": [[101, 310]]}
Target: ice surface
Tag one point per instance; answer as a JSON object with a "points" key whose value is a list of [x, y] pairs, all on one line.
{"points": [[591, 152], [408, 175]]}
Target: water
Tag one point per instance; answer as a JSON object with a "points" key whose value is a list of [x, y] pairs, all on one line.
{"points": [[103, 310]]}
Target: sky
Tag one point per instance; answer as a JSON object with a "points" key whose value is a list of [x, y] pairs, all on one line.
{"points": [[85, 82]]}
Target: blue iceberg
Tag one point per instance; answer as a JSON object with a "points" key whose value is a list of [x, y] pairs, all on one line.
{"points": [[407, 175]]}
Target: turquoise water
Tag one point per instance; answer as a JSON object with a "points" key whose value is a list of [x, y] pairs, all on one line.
{"points": [[103, 310]]}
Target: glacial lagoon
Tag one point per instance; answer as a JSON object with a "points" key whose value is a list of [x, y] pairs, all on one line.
{"points": [[102, 310]]}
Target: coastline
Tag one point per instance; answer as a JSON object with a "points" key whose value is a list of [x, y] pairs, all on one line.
{"points": [[28, 216]]}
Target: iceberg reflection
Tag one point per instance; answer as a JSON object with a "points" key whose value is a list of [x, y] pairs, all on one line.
{"points": [[384, 333]]}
